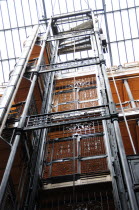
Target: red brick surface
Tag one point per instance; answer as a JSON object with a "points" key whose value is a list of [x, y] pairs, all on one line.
{"points": [[91, 146]]}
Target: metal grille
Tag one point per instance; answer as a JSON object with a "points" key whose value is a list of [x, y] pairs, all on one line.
{"points": [[75, 149], [97, 166], [80, 129], [92, 146], [75, 93], [85, 199]]}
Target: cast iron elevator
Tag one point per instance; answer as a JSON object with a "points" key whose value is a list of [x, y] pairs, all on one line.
{"points": [[76, 137]]}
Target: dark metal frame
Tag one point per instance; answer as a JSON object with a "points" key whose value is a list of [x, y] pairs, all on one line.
{"points": [[100, 11], [125, 175]]}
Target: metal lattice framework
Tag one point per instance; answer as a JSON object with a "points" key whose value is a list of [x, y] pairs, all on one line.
{"points": [[119, 21], [77, 114]]}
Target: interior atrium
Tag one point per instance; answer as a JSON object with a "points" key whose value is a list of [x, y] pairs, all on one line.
{"points": [[69, 105]]}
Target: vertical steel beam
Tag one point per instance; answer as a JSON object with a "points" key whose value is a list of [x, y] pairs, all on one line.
{"points": [[123, 159], [44, 9], [102, 100], [129, 93], [107, 31], [78, 139], [15, 78], [22, 120], [42, 137], [125, 167], [117, 182]]}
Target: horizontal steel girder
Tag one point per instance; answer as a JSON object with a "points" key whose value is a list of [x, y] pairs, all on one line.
{"points": [[48, 125], [68, 65]]}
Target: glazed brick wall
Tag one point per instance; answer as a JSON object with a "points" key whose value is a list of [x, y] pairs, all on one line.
{"points": [[89, 147], [96, 165], [60, 169], [65, 91]]}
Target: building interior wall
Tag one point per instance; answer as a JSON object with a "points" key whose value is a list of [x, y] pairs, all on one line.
{"points": [[68, 148]]}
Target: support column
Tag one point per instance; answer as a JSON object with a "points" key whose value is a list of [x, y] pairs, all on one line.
{"points": [[30, 198], [22, 121], [107, 31], [15, 78], [124, 163], [129, 93]]}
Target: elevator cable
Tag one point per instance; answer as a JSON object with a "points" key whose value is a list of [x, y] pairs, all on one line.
{"points": [[126, 123]]}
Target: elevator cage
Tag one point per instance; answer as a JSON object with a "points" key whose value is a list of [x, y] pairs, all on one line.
{"points": [[69, 128]]}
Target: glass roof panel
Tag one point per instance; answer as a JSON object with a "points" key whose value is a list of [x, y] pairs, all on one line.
{"points": [[18, 17]]}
